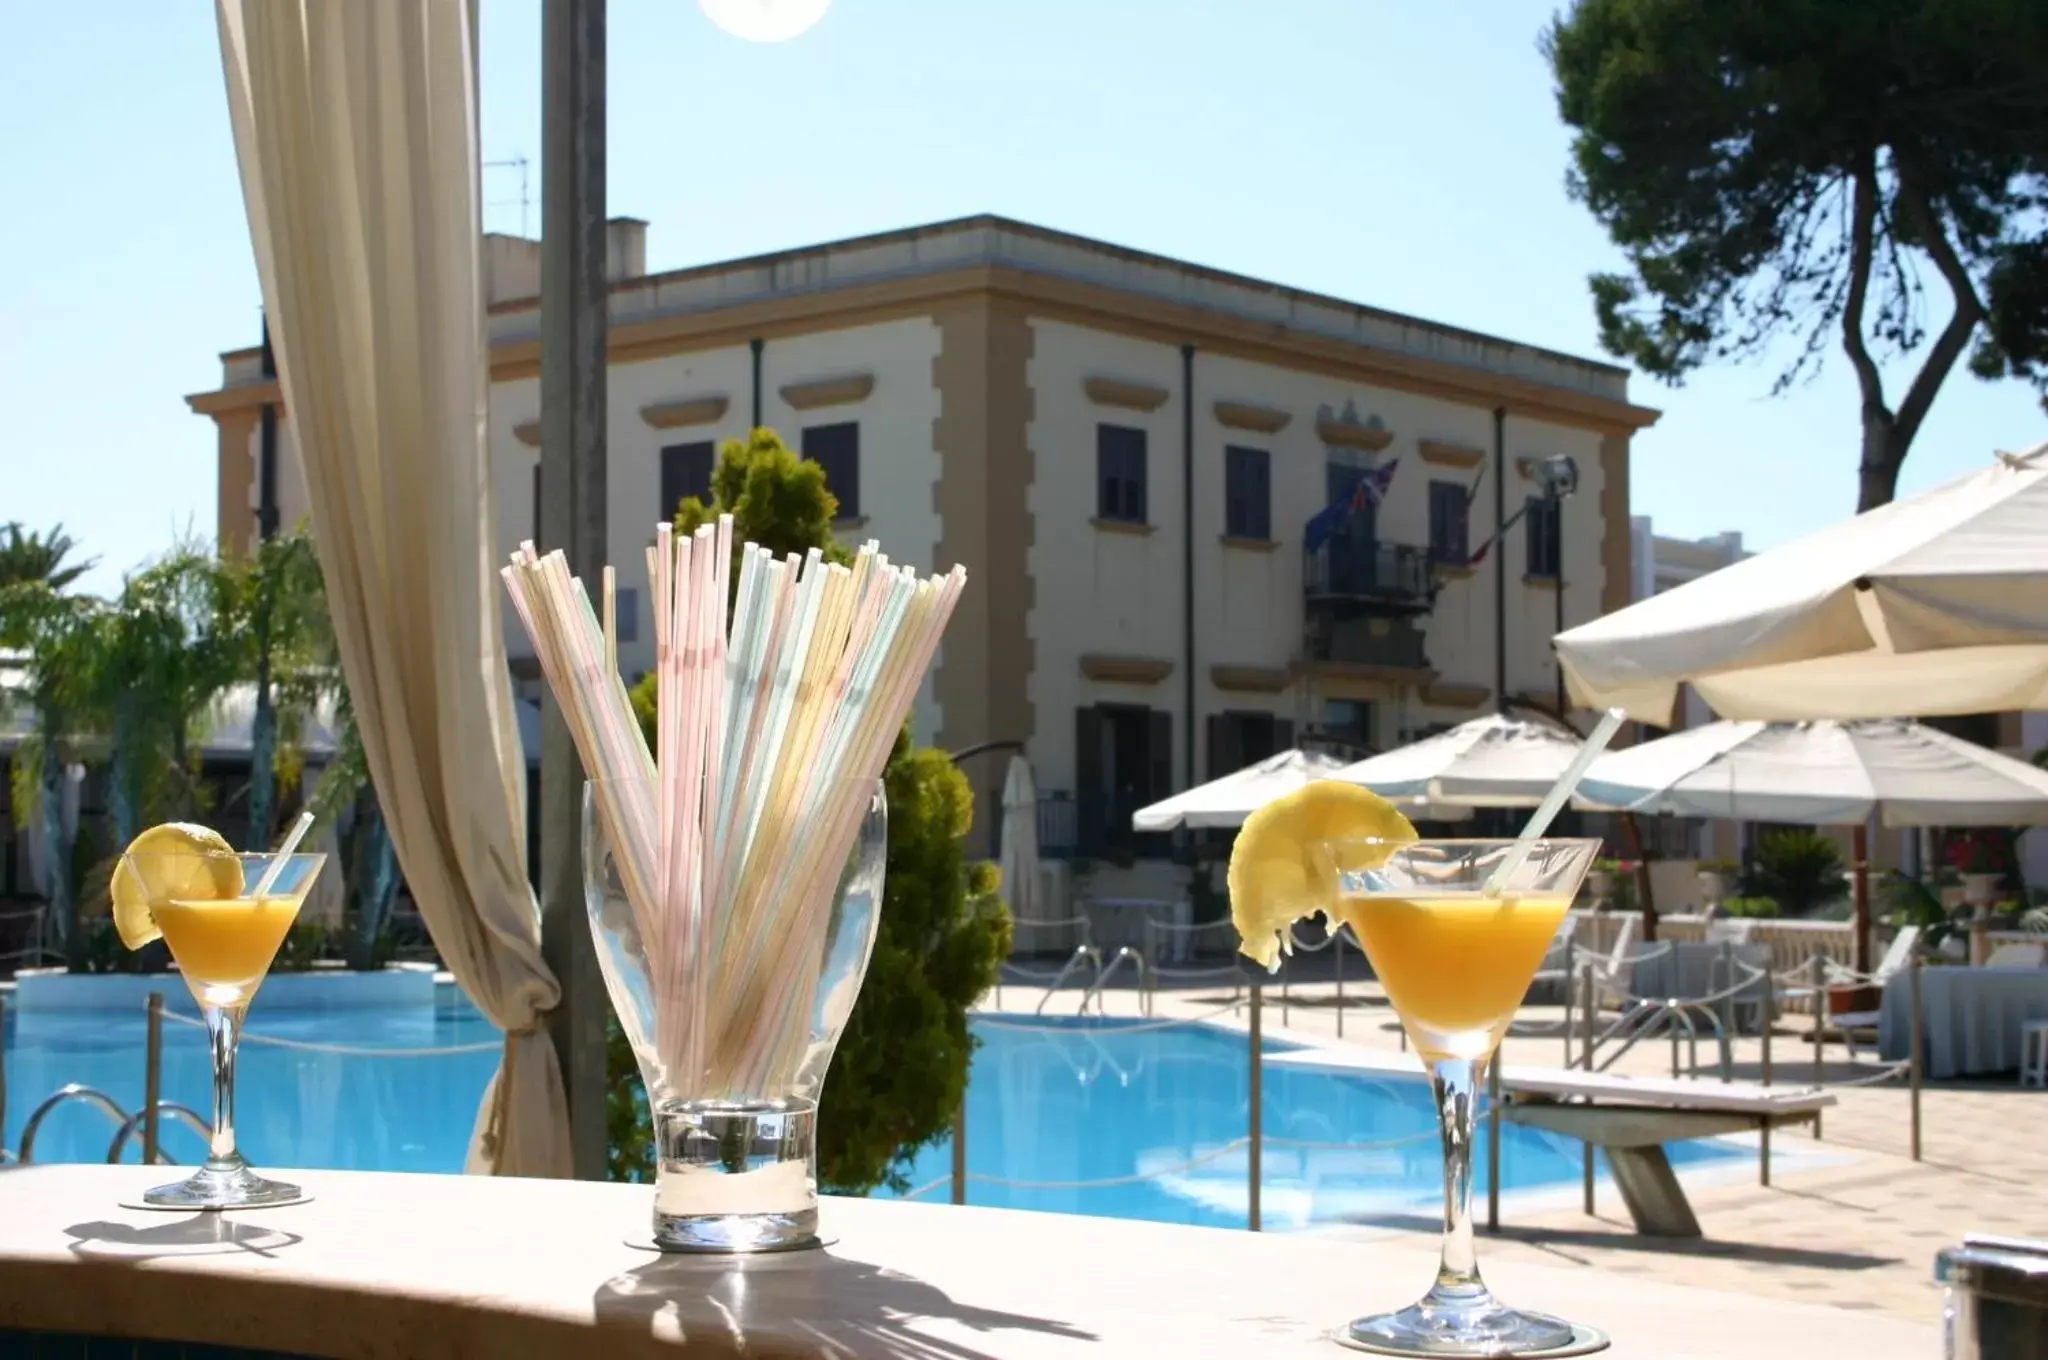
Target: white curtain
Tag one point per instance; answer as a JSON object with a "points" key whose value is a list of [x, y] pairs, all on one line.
{"points": [[355, 127]]}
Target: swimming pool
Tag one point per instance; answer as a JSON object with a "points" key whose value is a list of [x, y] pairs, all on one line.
{"points": [[1154, 1112], [1108, 1117], [294, 1106]]}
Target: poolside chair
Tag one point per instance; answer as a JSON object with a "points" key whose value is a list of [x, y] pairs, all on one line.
{"points": [[1848, 1023]]}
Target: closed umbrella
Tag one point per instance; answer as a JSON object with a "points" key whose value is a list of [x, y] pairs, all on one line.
{"points": [[1933, 604], [1226, 802], [1019, 860], [1824, 773]]}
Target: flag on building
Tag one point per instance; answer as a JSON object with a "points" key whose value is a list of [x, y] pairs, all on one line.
{"points": [[1369, 490]]}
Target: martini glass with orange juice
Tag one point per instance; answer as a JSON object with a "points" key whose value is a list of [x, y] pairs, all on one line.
{"points": [[1455, 931], [223, 916]]}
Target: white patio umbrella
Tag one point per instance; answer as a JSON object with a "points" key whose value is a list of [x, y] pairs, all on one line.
{"points": [[1019, 858], [1933, 604], [1226, 802], [1494, 761], [1824, 773]]}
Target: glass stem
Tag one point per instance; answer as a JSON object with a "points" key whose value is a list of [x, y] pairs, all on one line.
{"points": [[223, 1025], [1456, 1084]]}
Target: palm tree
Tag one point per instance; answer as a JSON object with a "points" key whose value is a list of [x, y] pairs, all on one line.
{"points": [[56, 635], [30, 557]]}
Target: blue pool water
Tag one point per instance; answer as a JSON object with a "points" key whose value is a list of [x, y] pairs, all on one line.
{"points": [[1153, 1111], [1054, 1104], [293, 1107]]}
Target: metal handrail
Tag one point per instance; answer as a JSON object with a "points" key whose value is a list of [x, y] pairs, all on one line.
{"points": [[184, 1114], [1086, 953], [1125, 954], [64, 1094]]}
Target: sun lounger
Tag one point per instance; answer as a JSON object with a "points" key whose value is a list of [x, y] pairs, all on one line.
{"points": [[1632, 1118]]}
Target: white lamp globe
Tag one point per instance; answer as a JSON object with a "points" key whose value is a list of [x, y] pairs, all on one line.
{"points": [[765, 21]]}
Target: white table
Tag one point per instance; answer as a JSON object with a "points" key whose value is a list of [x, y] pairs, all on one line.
{"points": [[1972, 1017], [382, 1267]]}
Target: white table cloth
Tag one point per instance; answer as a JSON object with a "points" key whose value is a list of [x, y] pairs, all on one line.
{"points": [[1972, 1017]]}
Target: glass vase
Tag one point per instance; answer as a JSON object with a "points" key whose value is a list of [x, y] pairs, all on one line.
{"points": [[733, 1041]]}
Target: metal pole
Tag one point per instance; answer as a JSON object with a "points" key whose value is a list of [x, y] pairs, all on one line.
{"points": [[1571, 977], [960, 1148], [1820, 1020], [152, 1078], [1337, 947], [1558, 600], [1916, 1065], [1764, 1138], [1500, 559], [1258, 1118], [1727, 1010], [1586, 1014], [1493, 1142], [572, 412]]}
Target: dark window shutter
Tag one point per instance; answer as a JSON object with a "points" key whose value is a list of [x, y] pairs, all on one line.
{"points": [[1162, 755], [1223, 747], [1090, 803], [686, 472], [1283, 735], [836, 448], [536, 502]]}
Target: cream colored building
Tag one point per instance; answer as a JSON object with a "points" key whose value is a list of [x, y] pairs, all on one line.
{"points": [[1124, 450]]}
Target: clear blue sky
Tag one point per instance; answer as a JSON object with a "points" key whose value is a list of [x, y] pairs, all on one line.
{"points": [[1398, 154]]}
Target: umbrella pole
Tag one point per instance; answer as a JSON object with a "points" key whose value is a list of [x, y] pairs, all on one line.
{"points": [[1859, 853], [1645, 902]]}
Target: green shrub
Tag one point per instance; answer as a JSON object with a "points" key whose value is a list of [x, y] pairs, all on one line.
{"points": [[1755, 908], [1799, 870]]}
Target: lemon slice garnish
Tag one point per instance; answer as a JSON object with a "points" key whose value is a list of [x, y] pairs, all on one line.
{"points": [[1279, 873], [177, 860]]}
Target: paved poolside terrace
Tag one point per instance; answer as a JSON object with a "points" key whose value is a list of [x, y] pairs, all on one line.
{"points": [[1850, 1220]]}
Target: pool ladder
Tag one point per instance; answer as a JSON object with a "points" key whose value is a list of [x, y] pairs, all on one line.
{"points": [[127, 1124], [1086, 953], [1125, 954]]}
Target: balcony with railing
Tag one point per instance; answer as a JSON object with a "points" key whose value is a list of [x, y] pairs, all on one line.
{"points": [[1351, 570]]}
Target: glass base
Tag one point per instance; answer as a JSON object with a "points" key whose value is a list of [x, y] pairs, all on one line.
{"points": [[1477, 1328], [224, 1184], [735, 1178]]}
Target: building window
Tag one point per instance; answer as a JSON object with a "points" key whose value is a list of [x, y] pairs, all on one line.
{"points": [[1349, 723], [536, 500], [1240, 739], [1448, 523], [629, 614], [1123, 761], [686, 472], [836, 448], [1545, 532], [1247, 493], [1120, 473]]}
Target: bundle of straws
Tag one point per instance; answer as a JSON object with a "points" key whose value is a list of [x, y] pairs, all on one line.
{"points": [[774, 720]]}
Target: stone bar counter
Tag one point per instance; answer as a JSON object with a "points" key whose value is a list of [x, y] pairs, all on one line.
{"points": [[385, 1265]]}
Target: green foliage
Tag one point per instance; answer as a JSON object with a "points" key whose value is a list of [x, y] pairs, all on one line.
{"points": [[288, 650], [1907, 901], [1800, 870], [1797, 171], [1756, 908], [39, 559], [1727, 867], [901, 1069]]}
